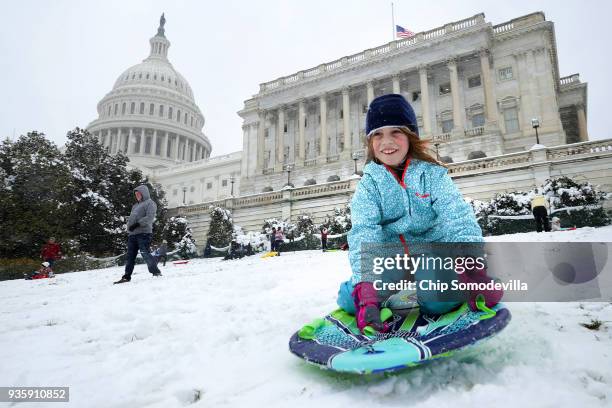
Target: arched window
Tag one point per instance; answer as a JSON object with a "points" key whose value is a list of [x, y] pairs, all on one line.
{"points": [[123, 106], [151, 109], [116, 108], [178, 115], [132, 107], [170, 112], [185, 120], [192, 121], [162, 78], [147, 76], [161, 110], [140, 76], [142, 108]]}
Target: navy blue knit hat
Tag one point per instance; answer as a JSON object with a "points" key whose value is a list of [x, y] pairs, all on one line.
{"points": [[391, 110]]}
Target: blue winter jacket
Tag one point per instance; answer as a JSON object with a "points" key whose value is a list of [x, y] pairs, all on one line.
{"points": [[424, 206]]}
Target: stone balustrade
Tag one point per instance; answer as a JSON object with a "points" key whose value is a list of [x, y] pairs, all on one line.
{"points": [[477, 131], [375, 52], [570, 79]]}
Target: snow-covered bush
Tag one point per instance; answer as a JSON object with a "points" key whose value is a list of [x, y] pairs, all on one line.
{"points": [[221, 227]]}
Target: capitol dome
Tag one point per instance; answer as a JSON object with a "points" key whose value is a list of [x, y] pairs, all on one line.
{"points": [[151, 115]]}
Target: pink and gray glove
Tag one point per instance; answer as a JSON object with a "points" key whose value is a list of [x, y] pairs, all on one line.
{"points": [[491, 297], [367, 307]]}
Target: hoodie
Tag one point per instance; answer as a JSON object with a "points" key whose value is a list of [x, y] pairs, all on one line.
{"points": [[143, 213]]}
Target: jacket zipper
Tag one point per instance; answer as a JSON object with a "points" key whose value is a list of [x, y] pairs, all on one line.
{"points": [[403, 184]]}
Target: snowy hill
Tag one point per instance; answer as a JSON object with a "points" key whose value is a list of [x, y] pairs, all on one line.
{"points": [[214, 333]]}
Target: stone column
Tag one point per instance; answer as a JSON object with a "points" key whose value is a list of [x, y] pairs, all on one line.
{"points": [[301, 132], [244, 163], [396, 83], [458, 122], [164, 151], [261, 134], [143, 140], [488, 86], [130, 146], [154, 143], [425, 100], [280, 139], [582, 123], [177, 140], [323, 134], [369, 92], [346, 122]]}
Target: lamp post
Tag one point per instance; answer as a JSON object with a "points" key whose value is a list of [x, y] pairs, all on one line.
{"points": [[184, 194], [356, 156], [288, 168], [535, 123], [232, 180], [437, 152]]}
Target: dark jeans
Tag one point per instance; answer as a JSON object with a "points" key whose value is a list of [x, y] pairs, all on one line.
{"points": [[159, 259], [324, 243], [541, 218], [139, 242]]}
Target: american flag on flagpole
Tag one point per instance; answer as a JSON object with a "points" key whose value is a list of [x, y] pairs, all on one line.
{"points": [[401, 32]]}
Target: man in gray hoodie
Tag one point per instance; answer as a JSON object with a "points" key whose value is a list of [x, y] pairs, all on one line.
{"points": [[140, 228]]}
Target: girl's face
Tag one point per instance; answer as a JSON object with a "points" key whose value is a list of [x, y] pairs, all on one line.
{"points": [[390, 145]]}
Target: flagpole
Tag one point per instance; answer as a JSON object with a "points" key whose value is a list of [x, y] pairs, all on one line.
{"points": [[392, 23]]}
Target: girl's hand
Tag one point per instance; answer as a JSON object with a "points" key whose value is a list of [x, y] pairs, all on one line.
{"points": [[367, 307]]}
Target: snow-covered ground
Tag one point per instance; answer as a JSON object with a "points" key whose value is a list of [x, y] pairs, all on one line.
{"points": [[218, 331]]}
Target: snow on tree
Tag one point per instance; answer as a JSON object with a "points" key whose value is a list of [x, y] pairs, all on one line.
{"points": [[221, 227], [339, 221]]}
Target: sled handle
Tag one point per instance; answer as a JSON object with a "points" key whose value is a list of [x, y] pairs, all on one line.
{"points": [[481, 304], [308, 331]]}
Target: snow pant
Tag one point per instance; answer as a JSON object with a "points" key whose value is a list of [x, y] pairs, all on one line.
{"points": [[277, 245], [140, 242], [431, 302], [324, 243], [541, 218]]}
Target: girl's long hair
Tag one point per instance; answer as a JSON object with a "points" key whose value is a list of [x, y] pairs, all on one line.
{"points": [[419, 149]]}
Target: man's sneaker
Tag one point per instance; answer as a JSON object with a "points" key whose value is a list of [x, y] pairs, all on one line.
{"points": [[157, 274], [122, 280]]}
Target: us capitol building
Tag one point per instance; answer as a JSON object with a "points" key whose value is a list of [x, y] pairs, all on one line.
{"points": [[481, 92]]}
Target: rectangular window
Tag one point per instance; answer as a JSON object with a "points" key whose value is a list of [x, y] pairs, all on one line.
{"points": [[447, 126], [511, 120], [178, 115], [267, 133], [142, 108], [161, 111], [208, 186], [109, 110], [151, 109], [505, 73], [170, 112], [305, 121], [416, 95], [478, 120], [474, 81], [285, 128], [185, 119], [192, 121], [445, 88], [169, 147], [341, 114], [132, 108], [224, 183]]}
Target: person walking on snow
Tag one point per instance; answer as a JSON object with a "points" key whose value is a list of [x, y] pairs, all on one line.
{"points": [[539, 208], [323, 239], [278, 239], [405, 196], [51, 252], [140, 233]]}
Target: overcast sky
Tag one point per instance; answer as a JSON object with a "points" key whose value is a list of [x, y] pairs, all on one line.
{"points": [[59, 58]]}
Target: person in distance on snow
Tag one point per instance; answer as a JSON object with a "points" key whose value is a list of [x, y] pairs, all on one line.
{"points": [[51, 252], [140, 232], [539, 208], [405, 195]]}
